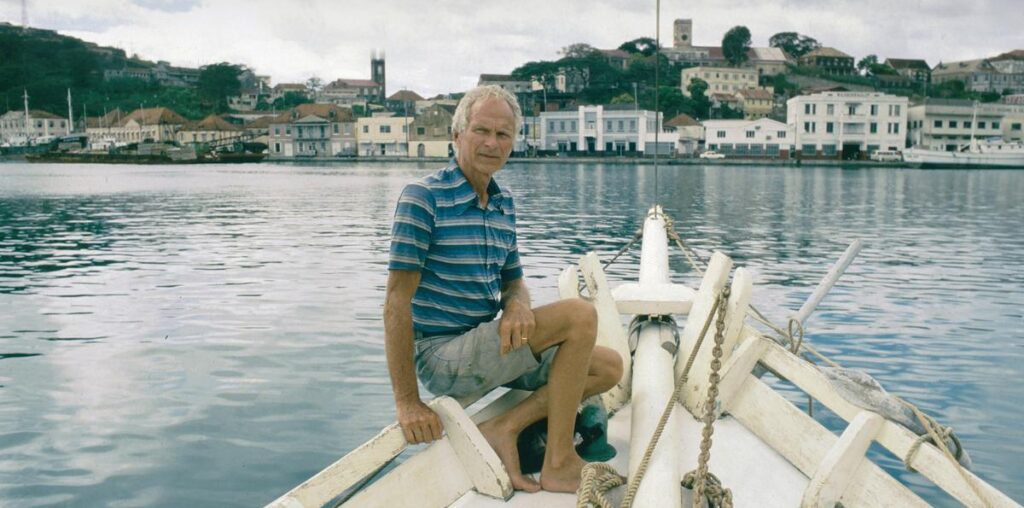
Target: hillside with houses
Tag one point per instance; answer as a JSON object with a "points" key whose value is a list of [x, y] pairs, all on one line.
{"points": [[797, 98]]}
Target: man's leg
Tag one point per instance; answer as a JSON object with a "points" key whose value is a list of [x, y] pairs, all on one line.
{"points": [[578, 371]]}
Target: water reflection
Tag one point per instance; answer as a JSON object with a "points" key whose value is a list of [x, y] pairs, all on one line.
{"points": [[161, 318]]}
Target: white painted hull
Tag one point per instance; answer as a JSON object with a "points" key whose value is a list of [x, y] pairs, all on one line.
{"points": [[921, 157]]}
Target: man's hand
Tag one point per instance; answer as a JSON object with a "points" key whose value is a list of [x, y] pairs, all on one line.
{"points": [[420, 424], [516, 327]]}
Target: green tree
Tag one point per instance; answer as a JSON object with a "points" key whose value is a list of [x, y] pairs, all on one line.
{"points": [[290, 100], [578, 50], [700, 103], [864, 65], [794, 44], [735, 45], [622, 98], [217, 82], [645, 46]]}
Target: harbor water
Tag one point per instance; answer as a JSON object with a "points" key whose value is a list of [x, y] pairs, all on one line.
{"points": [[211, 336]]}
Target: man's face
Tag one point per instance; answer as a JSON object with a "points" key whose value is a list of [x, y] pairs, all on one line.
{"points": [[486, 143]]}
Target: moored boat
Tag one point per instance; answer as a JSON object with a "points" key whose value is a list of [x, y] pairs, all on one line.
{"points": [[993, 154], [690, 403]]}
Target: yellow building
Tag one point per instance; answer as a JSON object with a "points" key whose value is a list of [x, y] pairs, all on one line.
{"points": [[383, 135], [149, 124], [755, 103], [210, 129], [728, 80]]}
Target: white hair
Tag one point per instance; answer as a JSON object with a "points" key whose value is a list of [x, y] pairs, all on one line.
{"points": [[460, 121]]}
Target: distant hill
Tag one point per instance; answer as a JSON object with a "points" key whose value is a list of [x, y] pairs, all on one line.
{"points": [[47, 64]]}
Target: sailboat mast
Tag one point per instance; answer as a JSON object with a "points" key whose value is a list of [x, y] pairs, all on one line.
{"points": [[974, 123], [71, 114], [27, 119]]}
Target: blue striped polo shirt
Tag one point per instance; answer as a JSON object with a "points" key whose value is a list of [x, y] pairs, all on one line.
{"points": [[464, 254]]}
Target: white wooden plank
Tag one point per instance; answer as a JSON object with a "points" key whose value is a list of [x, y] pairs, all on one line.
{"points": [[653, 299], [610, 333], [347, 471], [837, 470], [736, 310], [736, 370], [804, 443], [714, 280], [929, 461], [568, 283], [476, 456], [433, 478]]}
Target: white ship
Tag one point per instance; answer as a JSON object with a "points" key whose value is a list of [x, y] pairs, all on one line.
{"points": [[994, 153]]}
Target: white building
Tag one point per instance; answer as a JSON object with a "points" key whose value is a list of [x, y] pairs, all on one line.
{"points": [[763, 137], [609, 129], [719, 79], [689, 133], [13, 128], [946, 124], [847, 125], [383, 135]]}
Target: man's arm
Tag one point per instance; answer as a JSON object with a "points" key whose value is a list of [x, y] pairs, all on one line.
{"points": [[419, 423], [517, 321]]}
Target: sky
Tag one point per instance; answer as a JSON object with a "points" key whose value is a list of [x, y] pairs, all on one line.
{"points": [[439, 46]]}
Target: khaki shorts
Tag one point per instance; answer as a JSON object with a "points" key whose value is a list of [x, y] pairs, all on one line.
{"points": [[472, 363]]}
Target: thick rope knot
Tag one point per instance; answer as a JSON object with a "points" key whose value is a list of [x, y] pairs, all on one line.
{"points": [[596, 479], [717, 495]]}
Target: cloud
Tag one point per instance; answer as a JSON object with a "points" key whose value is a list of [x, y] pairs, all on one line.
{"points": [[444, 45]]}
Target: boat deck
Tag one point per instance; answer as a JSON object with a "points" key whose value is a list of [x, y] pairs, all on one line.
{"points": [[738, 457]]}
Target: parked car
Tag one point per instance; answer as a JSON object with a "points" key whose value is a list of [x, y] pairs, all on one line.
{"points": [[711, 154], [887, 156]]}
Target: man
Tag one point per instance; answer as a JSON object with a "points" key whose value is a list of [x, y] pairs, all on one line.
{"points": [[454, 264]]}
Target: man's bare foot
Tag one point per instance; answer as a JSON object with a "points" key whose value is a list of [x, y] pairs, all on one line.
{"points": [[562, 477], [504, 444]]}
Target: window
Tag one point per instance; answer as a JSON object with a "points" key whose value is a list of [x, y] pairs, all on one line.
{"points": [[621, 128], [385, 129], [780, 134], [808, 149], [952, 124], [1014, 126], [967, 124], [750, 134], [608, 126], [277, 132], [896, 110], [938, 124], [288, 131], [995, 125], [874, 110], [572, 126], [335, 128], [366, 129], [632, 126], [874, 128], [561, 125], [810, 109], [772, 150], [851, 109], [829, 127], [277, 147], [830, 109], [720, 134], [828, 149], [894, 128], [981, 125], [551, 125], [809, 127], [420, 131]]}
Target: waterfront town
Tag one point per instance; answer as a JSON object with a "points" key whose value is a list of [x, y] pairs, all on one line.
{"points": [[796, 99]]}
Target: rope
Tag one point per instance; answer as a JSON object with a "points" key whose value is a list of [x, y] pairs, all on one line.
{"points": [[600, 478], [795, 323], [937, 434], [717, 495], [605, 264]]}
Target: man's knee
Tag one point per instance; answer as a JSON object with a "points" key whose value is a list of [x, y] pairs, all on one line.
{"points": [[582, 318], [607, 366]]}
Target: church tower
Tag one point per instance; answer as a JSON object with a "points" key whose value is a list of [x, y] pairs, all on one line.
{"points": [[683, 30], [377, 73]]}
